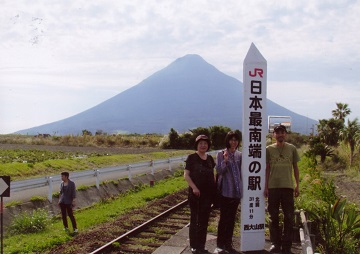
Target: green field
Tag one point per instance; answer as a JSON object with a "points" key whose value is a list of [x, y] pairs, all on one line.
{"points": [[22, 164]]}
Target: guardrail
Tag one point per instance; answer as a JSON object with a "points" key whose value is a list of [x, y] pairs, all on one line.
{"points": [[305, 235], [22, 185]]}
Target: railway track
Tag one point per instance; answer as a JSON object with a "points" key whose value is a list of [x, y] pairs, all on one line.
{"points": [[150, 235], [139, 231]]}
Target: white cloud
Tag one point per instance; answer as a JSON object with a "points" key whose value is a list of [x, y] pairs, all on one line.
{"points": [[104, 47]]}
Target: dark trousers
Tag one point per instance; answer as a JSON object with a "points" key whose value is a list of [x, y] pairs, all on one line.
{"points": [[67, 209], [285, 198], [200, 212], [228, 209]]}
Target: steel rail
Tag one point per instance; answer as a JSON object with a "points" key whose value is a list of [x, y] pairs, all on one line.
{"points": [[141, 227]]}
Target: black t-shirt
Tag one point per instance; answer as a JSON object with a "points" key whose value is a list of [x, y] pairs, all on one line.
{"points": [[202, 172]]}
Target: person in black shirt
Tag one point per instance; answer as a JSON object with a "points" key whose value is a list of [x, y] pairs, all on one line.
{"points": [[199, 174]]}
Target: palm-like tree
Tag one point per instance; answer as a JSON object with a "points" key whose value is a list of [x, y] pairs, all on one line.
{"points": [[329, 129], [341, 111], [350, 134], [317, 147]]}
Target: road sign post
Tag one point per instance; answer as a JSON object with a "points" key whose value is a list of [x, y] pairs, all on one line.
{"points": [[4, 192], [5, 186], [254, 151]]}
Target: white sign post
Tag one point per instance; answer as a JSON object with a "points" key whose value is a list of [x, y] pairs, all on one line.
{"points": [[254, 151]]}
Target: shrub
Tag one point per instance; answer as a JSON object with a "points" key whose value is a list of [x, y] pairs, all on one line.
{"points": [[179, 173], [13, 203], [338, 225], [174, 139], [29, 222], [297, 139], [82, 188], [37, 198]]}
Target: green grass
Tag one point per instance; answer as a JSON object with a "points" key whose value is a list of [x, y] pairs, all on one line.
{"points": [[13, 203], [37, 198], [90, 217], [19, 170], [83, 187]]}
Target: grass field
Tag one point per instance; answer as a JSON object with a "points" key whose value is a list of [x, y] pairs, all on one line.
{"points": [[26, 161]]}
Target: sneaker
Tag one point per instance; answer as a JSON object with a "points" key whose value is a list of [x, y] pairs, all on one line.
{"points": [[76, 230], [220, 251], [199, 251], [275, 249]]}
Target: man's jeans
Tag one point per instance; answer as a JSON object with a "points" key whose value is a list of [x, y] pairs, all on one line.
{"points": [[285, 198], [67, 209]]}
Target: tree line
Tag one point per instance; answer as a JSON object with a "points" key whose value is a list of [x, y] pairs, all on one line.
{"points": [[186, 140]]}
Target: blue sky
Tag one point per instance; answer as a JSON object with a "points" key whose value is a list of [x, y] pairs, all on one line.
{"points": [[59, 58]]}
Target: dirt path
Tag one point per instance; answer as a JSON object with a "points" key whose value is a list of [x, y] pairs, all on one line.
{"points": [[347, 187]]}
